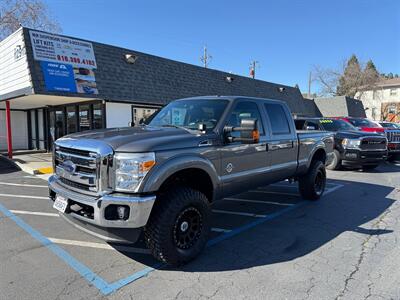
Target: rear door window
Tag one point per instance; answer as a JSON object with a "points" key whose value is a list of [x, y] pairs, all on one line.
{"points": [[278, 119]]}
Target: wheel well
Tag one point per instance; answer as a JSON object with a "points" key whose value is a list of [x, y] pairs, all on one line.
{"points": [[194, 178], [319, 155]]}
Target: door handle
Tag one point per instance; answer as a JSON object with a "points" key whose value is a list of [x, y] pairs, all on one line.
{"points": [[266, 146]]}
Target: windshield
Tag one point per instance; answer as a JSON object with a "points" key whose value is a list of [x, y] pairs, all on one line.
{"points": [[335, 125], [189, 113], [363, 123], [390, 125]]}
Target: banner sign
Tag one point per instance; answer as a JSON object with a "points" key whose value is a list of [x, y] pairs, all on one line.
{"points": [[58, 77], [67, 78], [67, 64], [50, 47]]}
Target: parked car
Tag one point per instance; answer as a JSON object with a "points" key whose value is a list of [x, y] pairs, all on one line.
{"points": [[162, 176], [392, 131], [364, 124], [352, 147], [389, 125], [393, 135]]}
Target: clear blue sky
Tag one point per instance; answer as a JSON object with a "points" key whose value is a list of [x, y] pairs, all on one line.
{"points": [[287, 37]]}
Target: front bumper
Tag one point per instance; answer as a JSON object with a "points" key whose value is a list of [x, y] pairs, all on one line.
{"points": [[94, 221], [355, 157], [393, 148]]}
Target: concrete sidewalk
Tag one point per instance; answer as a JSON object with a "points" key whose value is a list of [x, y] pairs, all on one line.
{"points": [[34, 163]]}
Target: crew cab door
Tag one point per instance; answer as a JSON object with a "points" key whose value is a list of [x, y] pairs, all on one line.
{"points": [[244, 166], [282, 141]]}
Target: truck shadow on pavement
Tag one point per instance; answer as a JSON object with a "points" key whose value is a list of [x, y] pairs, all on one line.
{"points": [[6, 166], [299, 232]]}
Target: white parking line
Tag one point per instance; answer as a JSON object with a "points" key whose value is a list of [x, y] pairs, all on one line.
{"points": [[99, 246], [228, 212], [34, 213], [272, 192], [23, 196], [332, 189], [21, 184], [220, 230], [258, 201]]}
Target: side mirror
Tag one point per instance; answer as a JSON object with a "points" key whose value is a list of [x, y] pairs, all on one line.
{"points": [[248, 129]]}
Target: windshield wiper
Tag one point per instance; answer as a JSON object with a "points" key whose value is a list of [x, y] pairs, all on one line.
{"points": [[180, 127]]}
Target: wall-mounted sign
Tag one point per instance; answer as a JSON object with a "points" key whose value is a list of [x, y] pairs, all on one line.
{"points": [[58, 77], [62, 77], [67, 64], [50, 47], [19, 52]]}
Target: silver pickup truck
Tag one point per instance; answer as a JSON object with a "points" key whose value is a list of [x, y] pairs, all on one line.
{"points": [[162, 175]]}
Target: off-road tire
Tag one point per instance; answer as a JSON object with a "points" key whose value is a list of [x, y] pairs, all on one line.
{"points": [[336, 163], [161, 229], [312, 184]]}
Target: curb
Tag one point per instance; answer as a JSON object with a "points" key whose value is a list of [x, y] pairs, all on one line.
{"points": [[45, 170]]}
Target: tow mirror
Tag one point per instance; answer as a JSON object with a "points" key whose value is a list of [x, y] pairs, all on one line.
{"points": [[248, 130]]}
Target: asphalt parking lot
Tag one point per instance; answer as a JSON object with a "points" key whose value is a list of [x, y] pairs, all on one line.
{"points": [[265, 244]]}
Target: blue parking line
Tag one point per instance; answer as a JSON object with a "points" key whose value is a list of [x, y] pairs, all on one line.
{"points": [[108, 288], [83, 270]]}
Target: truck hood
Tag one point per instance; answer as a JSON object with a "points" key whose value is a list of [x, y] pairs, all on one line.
{"points": [[139, 139], [352, 134]]}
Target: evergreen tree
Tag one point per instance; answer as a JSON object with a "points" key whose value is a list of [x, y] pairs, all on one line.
{"points": [[351, 78], [371, 70]]}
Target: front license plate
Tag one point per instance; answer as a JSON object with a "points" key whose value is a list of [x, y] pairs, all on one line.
{"points": [[60, 203]]}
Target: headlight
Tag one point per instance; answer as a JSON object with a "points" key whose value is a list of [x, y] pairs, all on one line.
{"points": [[131, 168], [351, 143]]}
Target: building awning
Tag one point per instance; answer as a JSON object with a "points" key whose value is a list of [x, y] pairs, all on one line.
{"points": [[40, 101]]}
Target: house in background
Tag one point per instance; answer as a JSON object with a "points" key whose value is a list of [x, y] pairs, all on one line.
{"points": [[382, 102]]}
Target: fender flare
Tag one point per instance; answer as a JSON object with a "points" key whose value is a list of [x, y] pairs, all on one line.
{"points": [[160, 173], [319, 146]]}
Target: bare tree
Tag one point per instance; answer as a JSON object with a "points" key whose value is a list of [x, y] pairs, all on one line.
{"points": [[328, 80], [28, 13], [350, 79]]}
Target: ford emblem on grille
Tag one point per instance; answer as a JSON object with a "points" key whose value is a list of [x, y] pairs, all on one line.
{"points": [[68, 166]]}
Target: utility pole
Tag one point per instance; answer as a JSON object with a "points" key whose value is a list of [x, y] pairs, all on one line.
{"points": [[309, 85], [206, 58], [253, 65]]}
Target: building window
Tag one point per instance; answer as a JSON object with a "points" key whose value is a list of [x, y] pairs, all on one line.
{"points": [[374, 113], [84, 117], [392, 109], [139, 114], [375, 94], [97, 116], [72, 125], [393, 92]]}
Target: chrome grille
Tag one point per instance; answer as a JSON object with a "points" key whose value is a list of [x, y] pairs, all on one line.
{"points": [[83, 175], [393, 136], [372, 143]]}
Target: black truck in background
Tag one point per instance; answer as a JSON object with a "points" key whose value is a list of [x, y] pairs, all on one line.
{"points": [[352, 148]]}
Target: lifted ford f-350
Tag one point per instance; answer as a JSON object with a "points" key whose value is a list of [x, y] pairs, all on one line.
{"points": [[162, 176]]}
